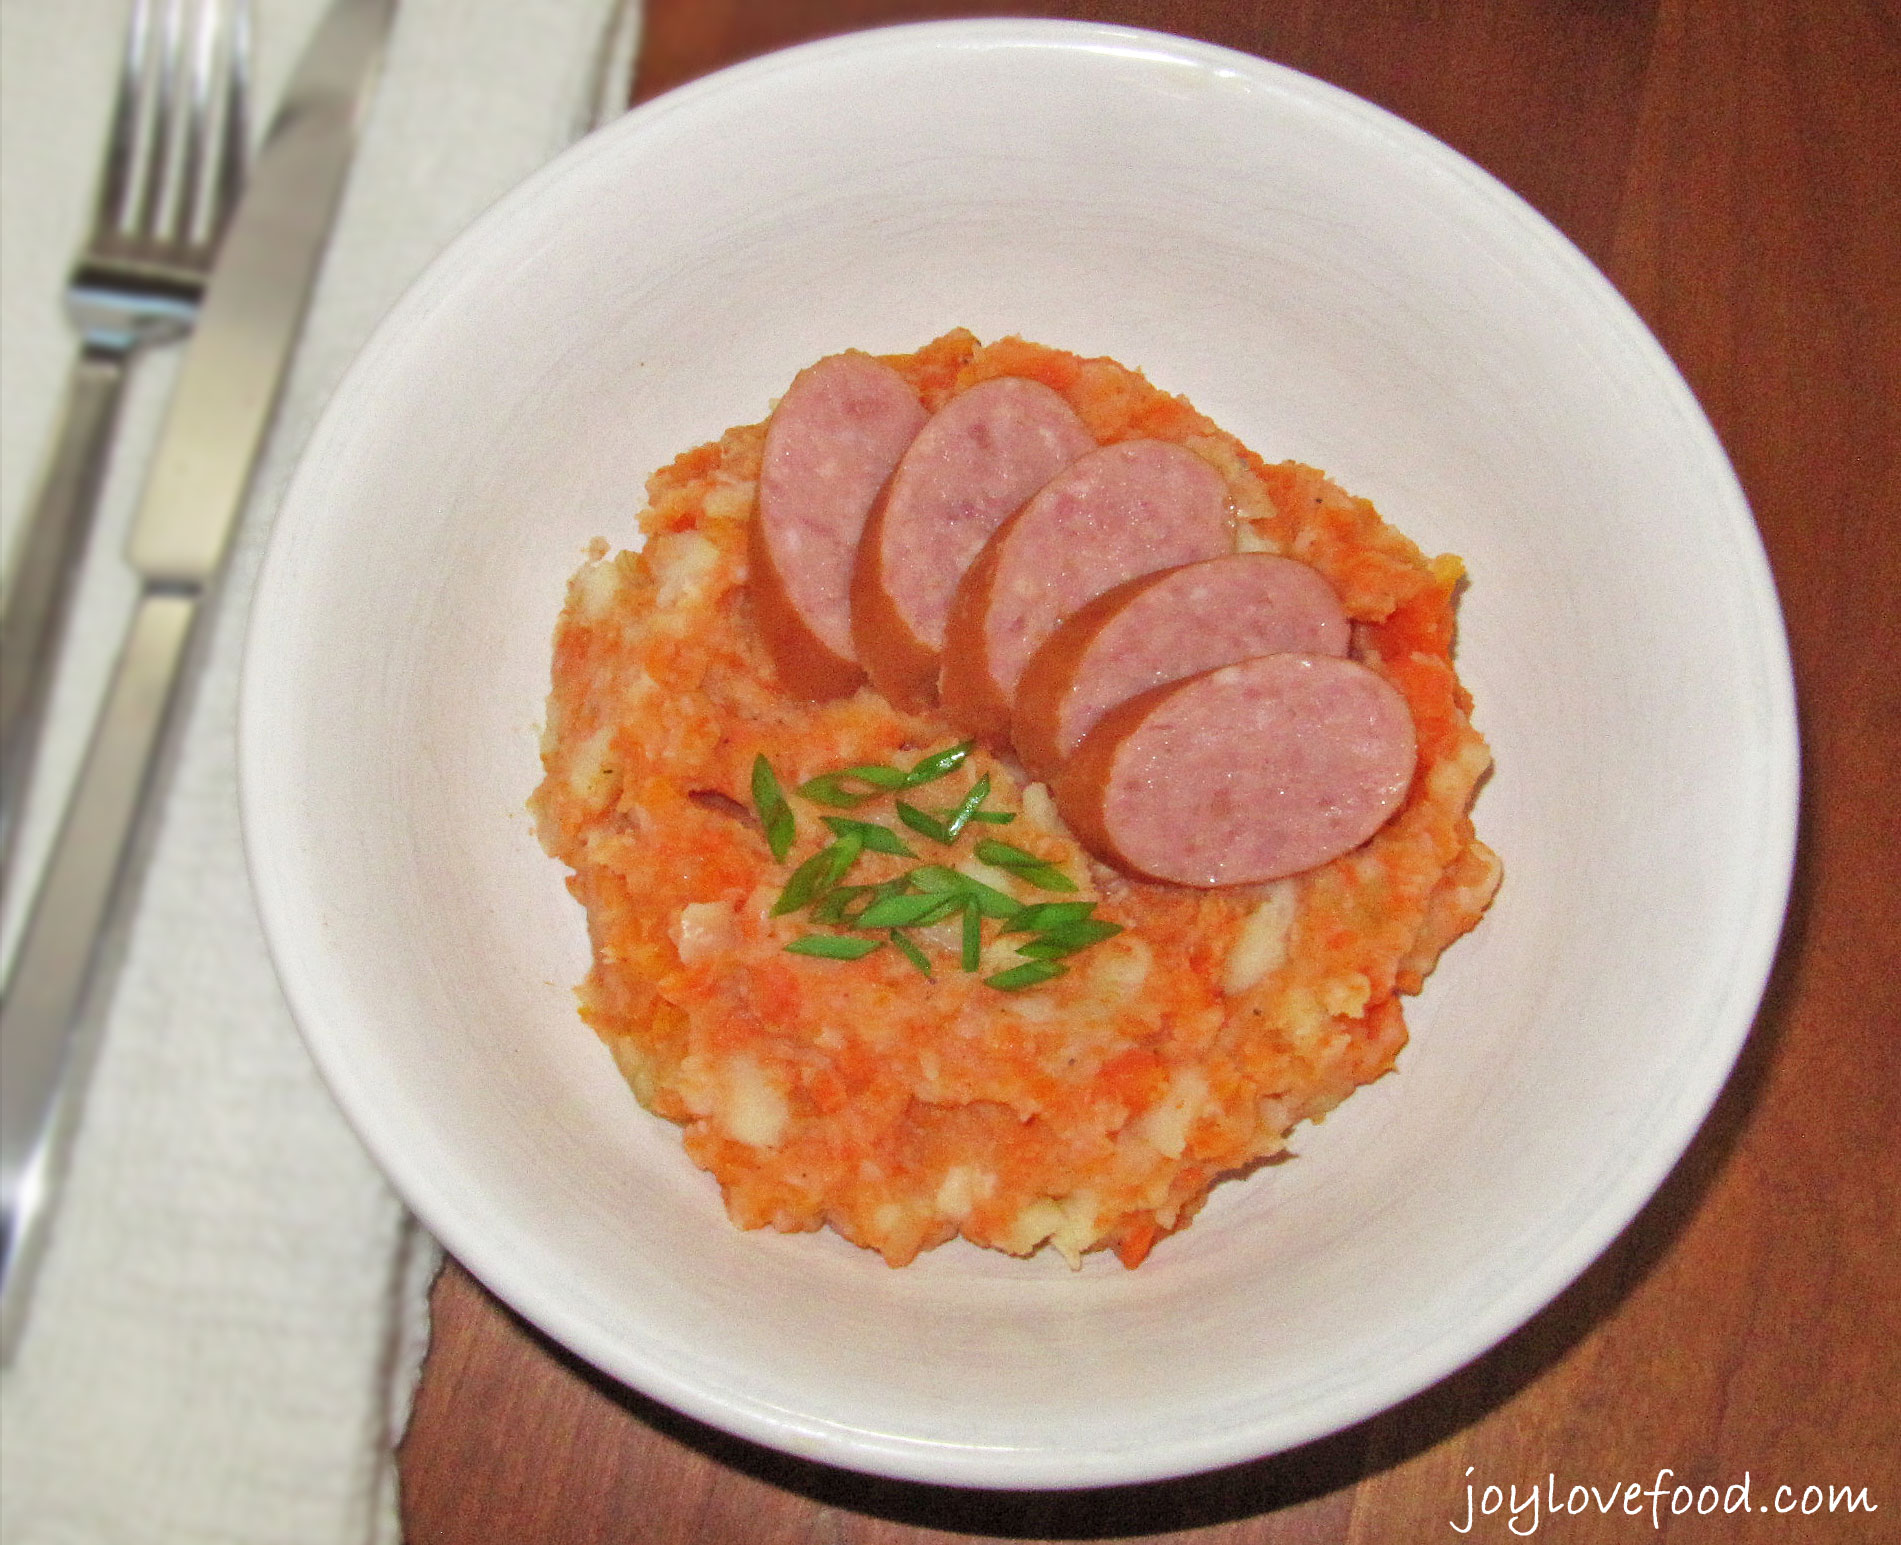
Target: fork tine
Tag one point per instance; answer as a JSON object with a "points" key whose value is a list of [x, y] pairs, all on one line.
{"points": [[212, 163], [200, 41], [115, 180], [235, 131], [161, 142]]}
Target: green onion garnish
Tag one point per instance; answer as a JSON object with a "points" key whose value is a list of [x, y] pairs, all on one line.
{"points": [[1025, 866], [1006, 856], [832, 788], [818, 875], [911, 953], [921, 821], [844, 853], [867, 895], [1029, 974], [837, 946], [803, 885], [775, 815], [927, 893], [990, 901], [832, 908], [905, 911], [936, 766], [960, 817], [1042, 915], [829, 788], [1069, 938], [876, 838]]}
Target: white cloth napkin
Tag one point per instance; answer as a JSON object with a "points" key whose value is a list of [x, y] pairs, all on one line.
{"points": [[231, 1313]]}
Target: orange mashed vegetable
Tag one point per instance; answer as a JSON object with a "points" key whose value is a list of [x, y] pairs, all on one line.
{"points": [[1093, 1111]]}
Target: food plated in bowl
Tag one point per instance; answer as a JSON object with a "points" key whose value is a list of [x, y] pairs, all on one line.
{"points": [[1326, 285], [1051, 1045]]}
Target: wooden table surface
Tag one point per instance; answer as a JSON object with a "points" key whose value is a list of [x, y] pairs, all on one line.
{"points": [[1732, 166]]}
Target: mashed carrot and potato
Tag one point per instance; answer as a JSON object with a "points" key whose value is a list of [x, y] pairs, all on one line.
{"points": [[1094, 1109]]}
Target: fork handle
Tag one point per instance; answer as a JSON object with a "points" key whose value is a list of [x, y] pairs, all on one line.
{"points": [[50, 1010], [51, 550]]}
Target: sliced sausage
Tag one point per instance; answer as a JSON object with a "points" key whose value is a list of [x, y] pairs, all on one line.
{"points": [[1161, 627], [830, 445], [981, 455], [1244, 773], [1124, 510]]}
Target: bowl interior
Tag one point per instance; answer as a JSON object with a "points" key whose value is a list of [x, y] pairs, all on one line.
{"points": [[1323, 281]]}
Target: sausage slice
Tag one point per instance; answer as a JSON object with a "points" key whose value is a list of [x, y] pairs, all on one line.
{"points": [[1161, 627], [1118, 512], [1244, 773], [830, 445], [981, 455]]}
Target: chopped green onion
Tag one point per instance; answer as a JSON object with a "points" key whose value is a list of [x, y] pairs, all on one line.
{"points": [[931, 768], [1029, 974], [1047, 877], [991, 817], [836, 946], [1004, 855], [920, 821], [1025, 866], [844, 853], [775, 815], [1087, 931], [868, 895], [803, 886], [935, 877], [832, 908], [818, 875], [990, 901], [937, 917], [960, 817], [829, 788], [911, 953], [905, 911], [928, 893], [876, 838], [1069, 938], [1040, 915]]}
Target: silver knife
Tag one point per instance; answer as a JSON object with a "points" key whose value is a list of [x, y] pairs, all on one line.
{"points": [[226, 395]]}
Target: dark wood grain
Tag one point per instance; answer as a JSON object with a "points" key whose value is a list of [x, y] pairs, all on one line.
{"points": [[1729, 164]]}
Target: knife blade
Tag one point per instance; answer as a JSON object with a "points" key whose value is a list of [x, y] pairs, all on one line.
{"points": [[227, 394]]}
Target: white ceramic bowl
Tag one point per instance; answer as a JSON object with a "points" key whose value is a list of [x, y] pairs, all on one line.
{"points": [[1325, 282]]}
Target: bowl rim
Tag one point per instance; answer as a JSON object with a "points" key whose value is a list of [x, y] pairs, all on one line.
{"points": [[265, 793]]}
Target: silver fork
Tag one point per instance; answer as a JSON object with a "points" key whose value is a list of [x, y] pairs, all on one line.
{"points": [[173, 170]]}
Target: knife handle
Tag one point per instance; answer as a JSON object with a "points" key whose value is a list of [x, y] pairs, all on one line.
{"points": [[40, 592], [49, 1014]]}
